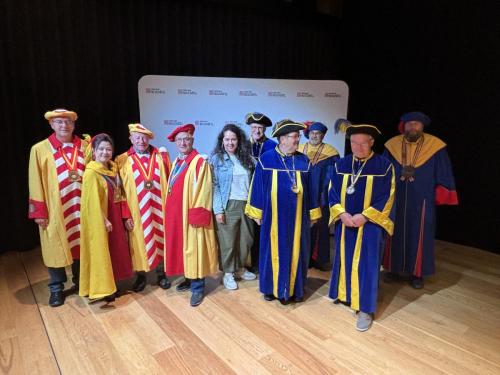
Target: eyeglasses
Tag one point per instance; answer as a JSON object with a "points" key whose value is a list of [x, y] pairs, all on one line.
{"points": [[61, 122], [182, 140]]}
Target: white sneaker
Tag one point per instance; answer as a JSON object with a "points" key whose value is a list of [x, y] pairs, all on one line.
{"points": [[229, 282], [247, 275]]}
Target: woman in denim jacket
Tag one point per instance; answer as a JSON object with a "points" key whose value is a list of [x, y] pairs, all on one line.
{"points": [[232, 168]]}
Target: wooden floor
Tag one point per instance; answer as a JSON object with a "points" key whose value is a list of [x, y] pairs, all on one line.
{"points": [[452, 326]]}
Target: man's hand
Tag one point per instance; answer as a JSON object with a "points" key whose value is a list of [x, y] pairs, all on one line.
{"points": [[314, 222], [258, 221], [359, 220], [43, 223], [108, 225], [347, 219], [129, 224], [221, 218]]}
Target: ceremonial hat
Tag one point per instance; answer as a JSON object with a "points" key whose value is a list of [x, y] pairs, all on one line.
{"points": [[139, 128], [258, 118], [286, 126], [310, 126], [188, 128], [413, 116], [349, 129], [61, 112]]}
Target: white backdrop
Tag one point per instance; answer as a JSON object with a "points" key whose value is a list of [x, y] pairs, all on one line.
{"points": [[211, 102]]}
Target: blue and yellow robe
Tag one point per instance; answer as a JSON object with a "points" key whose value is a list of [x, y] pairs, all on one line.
{"points": [[358, 251], [411, 249], [322, 158], [286, 217]]}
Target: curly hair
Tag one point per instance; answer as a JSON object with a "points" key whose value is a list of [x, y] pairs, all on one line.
{"points": [[243, 151]]}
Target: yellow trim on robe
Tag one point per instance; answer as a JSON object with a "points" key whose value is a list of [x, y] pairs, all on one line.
{"points": [[296, 234], [274, 231], [96, 271], [253, 212], [357, 248], [315, 213], [136, 236], [327, 152], [44, 187], [382, 218], [432, 144], [200, 245], [342, 282]]}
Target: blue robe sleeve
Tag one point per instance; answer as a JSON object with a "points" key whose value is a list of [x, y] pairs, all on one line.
{"points": [[255, 203], [445, 183], [380, 209]]}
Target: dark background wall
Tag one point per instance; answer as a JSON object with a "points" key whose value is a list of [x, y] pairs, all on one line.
{"points": [[87, 55]]}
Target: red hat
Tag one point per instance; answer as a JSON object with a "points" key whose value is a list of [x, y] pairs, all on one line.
{"points": [[188, 128]]}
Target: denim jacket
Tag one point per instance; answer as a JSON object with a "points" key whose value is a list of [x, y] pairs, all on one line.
{"points": [[222, 175]]}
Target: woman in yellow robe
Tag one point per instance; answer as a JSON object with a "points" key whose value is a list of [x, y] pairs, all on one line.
{"points": [[105, 256]]}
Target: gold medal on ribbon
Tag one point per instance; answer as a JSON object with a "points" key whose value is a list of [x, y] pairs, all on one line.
{"points": [[146, 173], [74, 176]]}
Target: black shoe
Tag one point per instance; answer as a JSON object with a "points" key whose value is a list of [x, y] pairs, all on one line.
{"points": [[390, 277], [164, 282], [297, 299], [196, 298], [184, 286], [417, 282], [269, 297], [284, 301], [139, 283], [110, 298], [56, 299]]}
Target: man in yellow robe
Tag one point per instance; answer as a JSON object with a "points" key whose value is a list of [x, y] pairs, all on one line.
{"points": [[144, 170], [191, 247], [55, 172]]}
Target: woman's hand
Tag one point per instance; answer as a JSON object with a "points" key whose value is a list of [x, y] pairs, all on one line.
{"points": [[221, 218], [108, 225]]}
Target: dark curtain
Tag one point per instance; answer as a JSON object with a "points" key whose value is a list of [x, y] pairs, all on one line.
{"points": [[441, 57]]}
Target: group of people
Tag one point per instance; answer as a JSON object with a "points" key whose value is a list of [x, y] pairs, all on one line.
{"points": [[253, 206]]}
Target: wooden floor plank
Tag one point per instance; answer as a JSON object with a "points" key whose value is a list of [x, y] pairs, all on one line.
{"points": [[452, 326]]}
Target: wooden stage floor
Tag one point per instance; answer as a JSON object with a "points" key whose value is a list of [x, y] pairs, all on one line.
{"points": [[452, 326]]}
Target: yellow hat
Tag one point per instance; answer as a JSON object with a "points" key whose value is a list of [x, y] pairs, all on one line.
{"points": [[61, 112], [138, 128]]}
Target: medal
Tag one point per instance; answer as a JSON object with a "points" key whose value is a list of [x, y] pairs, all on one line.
{"points": [[408, 171], [355, 177], [291, 174], [146, 173], [73, 176], [117, 197]]}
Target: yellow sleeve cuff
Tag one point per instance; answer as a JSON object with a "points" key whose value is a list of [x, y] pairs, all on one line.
{"points": [[315, 213], [379, 218], [253, 212], [335, 211]]}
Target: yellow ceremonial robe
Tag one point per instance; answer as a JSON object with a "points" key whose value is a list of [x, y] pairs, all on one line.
{"points": [[96, 272], [136, 236], [44, 188]]}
